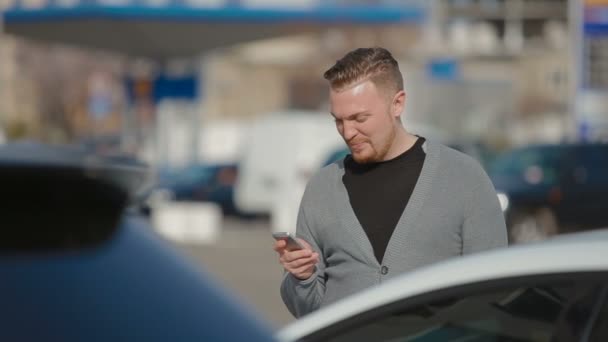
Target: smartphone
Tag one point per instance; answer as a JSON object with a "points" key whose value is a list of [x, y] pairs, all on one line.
{"points": [[292, 243]]}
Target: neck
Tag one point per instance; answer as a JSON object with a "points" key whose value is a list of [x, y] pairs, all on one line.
{"points": [[403, 141]]}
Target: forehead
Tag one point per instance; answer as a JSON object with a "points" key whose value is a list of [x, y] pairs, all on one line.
{"points": [[356, 98], [354, 88], [359, 88]]}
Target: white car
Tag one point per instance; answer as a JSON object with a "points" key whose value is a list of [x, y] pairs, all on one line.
{"points": [[555, 290]]}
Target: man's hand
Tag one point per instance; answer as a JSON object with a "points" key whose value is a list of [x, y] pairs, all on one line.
{"points": [[300, 263]]}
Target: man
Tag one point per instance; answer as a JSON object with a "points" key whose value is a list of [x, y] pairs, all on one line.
{"points": [[396, 203]]}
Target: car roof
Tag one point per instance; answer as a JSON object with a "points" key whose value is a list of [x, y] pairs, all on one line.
{"points": [[579, 252], [121, 170], [74, 268]]}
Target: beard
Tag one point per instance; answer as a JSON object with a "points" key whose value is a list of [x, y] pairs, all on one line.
{"points": [[374, 152]]}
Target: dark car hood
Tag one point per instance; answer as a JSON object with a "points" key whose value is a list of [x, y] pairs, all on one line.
{"points": [[131, 288]]}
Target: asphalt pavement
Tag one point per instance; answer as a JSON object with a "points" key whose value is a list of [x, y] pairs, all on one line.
{"points": [[243, 260]]}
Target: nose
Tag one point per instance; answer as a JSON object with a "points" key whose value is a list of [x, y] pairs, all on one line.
{"points": [[349, 131]]}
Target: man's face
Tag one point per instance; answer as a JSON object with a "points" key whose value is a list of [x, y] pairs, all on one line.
{"points": [[365, 119]]}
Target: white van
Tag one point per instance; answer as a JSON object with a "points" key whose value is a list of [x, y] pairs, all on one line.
{"points": [[282, 151]]}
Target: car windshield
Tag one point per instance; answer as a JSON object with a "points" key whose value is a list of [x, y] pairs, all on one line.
{"points": [[535, 165], [527, 313], [194, 174]]}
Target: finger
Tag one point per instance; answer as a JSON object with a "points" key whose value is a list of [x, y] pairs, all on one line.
{"points": [[287, 263], [302, 261], [294, 255], [287, 257], [280, 250], [314, 257], [304, 270], [290, 264], [279, 244]]}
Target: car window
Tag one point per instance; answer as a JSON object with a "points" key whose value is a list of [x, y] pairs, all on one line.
{"points": [[591, 165], [538, 166], [557, 311], [194, 174]]}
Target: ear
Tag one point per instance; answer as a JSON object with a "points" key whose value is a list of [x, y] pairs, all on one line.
{"points": [[398, 104]]}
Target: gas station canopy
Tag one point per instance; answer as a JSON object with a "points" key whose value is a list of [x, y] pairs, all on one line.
{"points": [[162, 29]]}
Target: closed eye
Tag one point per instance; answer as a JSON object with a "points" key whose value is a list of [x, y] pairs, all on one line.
{"points": [[361, 118]]}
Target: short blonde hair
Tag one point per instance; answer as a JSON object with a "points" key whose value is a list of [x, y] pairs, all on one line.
{"points": [[375, 64]]}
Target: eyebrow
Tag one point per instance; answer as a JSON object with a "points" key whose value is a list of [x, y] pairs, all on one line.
{"points": [[352, 116]]}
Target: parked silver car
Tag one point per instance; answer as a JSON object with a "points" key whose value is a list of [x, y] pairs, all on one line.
{"points": [[555, 290]]}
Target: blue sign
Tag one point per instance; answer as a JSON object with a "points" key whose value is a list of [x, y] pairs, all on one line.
{"points": [[443, 69], [164, 87], [590, 107], [595, 47]]}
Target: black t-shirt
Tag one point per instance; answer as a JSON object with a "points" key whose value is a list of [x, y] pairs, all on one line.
{"points": [[379, 192]]}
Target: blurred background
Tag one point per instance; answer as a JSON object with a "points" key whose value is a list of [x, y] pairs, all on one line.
{"points": [[226, 103]]}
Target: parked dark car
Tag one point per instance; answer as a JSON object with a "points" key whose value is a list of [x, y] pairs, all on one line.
{"points": [[76, 266], [201, 182], [547, 189]]}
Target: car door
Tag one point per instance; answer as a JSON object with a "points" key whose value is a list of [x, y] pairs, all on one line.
{"points": [[586, 186], [562, 307]]}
